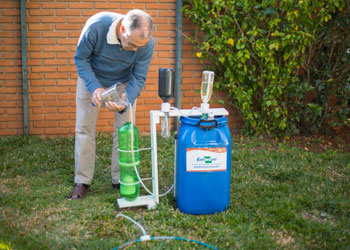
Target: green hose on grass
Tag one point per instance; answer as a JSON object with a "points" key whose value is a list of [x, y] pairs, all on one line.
{"points": [[146, 237]]}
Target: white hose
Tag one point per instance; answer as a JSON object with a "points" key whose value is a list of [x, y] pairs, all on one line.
{"points": [[135, 222]]}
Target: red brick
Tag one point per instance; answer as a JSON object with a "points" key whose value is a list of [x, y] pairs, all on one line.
{"points": [[49, 117], [44, 69], [7, 63], [55, 62], [157, 6], [56, 103], [14, 111], [35, 62], [6, 34], [80, 5], [54, 5], [35, 76], [7, 118], [66, 68], [166, 54], [40, 27], [166, 41], [42, 41], [44, 110], [67, 123], [165, 27], [130, 6], [167, 13], [45, 124], [11, 12], [55, 34], [67, 26], [66, 110], [41, 12], [33, 117], [55, 48], [56, 89], [53, 19], [33, 19], [8, 132], [65, 55], [35, 104], [5, 5], [6, 20], [108, 6], [67, 41], [57, 75], [36, 131], [56, 131], [66, 82], [7, 48], [32, 34], [81, 20], [32, 5], [68, 12]]}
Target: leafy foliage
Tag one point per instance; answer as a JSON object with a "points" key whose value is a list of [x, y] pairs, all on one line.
{"points": [[280, 61]]}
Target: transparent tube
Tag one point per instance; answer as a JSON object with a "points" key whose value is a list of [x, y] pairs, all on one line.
{"points": [[166, 125]]}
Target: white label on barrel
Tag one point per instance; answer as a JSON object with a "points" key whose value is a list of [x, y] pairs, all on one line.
{"points": [[206, 159]]}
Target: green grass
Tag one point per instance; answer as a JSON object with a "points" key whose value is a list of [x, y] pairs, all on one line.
{"points": [[281, 197]]}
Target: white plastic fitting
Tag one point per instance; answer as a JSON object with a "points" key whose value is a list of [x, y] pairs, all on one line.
{"points": [[145, 238], [205, 108], [166, 107]]}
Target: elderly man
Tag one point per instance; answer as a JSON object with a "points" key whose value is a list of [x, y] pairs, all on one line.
{"points": [[112, 48]]}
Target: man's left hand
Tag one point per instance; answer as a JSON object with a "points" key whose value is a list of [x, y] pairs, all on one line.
{"points": [[112, 106]]}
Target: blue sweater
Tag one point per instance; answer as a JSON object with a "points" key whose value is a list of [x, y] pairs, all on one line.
{"points": [[101, 63]]}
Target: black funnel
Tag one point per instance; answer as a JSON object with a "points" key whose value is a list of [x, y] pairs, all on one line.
{"points": [[166, 84]]}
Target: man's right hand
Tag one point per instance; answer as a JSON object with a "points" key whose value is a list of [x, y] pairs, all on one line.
{"points": [[96, 96]]}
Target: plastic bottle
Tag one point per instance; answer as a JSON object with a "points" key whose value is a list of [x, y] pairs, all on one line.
{"points": [[206, 91], [128, 157], [166, 126]]}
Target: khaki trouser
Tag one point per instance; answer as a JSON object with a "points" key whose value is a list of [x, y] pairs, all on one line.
{"points": [[85, 137]]}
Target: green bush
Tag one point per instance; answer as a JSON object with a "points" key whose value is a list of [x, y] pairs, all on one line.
{"points": [[281, 62]]}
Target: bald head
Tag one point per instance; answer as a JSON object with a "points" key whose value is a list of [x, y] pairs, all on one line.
{"points": [[140, 22]]}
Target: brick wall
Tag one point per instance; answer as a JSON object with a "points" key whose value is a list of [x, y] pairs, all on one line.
{"points": [[53, 29]]}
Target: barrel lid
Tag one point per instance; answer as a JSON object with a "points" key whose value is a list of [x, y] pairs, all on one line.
{"points": [[217, 121]]}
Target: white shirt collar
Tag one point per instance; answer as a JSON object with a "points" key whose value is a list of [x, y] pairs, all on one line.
{"points": [[112, 35]]}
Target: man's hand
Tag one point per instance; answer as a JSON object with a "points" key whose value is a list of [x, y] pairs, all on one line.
{"points": [[112, 106], [96, 97]]}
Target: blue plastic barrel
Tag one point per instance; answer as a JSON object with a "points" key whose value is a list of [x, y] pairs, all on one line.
{"points": [[203, 165]]}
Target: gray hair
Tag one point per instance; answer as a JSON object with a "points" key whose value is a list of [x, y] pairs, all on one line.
{"points": [[138, 20]]}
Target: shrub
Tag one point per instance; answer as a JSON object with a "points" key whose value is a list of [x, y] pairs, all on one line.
{"points": [[279, 61]]}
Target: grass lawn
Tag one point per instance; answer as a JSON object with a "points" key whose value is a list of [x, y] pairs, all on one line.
{"points": [[282, 196]]}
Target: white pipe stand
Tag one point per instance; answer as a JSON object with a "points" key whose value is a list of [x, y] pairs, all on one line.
{"points": [[151, 201]]}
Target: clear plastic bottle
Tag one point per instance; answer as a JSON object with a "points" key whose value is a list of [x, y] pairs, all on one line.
{"points": [[207, 85], [166, 126], [206, 91], [128, 157]]}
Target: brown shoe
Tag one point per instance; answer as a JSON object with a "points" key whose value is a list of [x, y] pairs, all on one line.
{"points": [[79, 192]]}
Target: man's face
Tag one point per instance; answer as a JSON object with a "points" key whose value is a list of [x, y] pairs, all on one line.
{"points": [[132, 41]]}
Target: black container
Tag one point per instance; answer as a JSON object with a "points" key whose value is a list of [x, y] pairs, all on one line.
{"points": [[166, 84]]}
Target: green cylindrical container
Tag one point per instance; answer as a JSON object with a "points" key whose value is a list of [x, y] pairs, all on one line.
{"points": [[128, 137]]}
